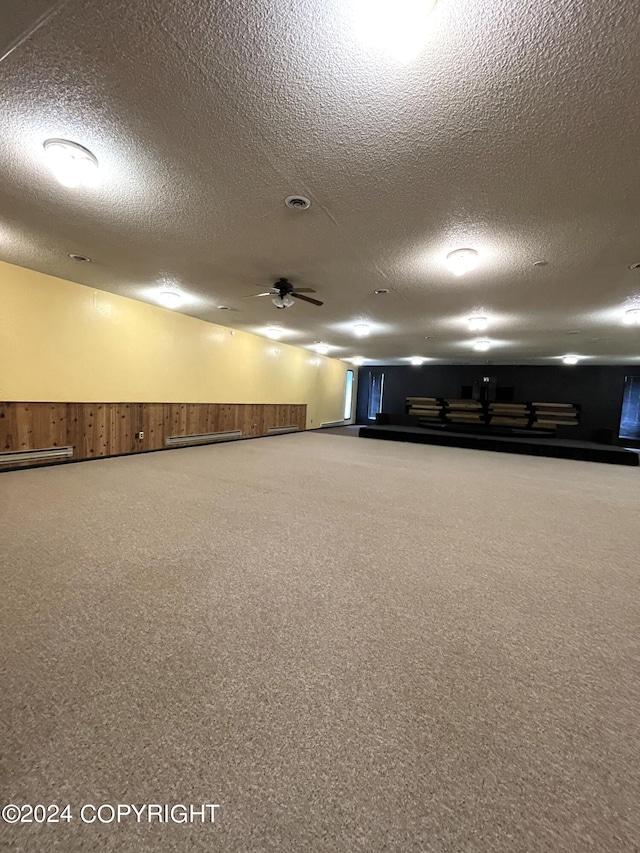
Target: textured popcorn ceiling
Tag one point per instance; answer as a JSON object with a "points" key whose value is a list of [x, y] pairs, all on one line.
{"points": [[514, 132]]}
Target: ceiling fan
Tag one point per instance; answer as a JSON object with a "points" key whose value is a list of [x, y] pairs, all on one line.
{"points": [[282, 291]]}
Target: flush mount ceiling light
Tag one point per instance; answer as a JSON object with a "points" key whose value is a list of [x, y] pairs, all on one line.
{"points": [[72, 164], [361, 329], [478, 324], [632, 317], [570, 359], [481, 346], [398, 28], [322, 349], [417, 360], [358, 360], [274, 332], [462, 261], [169, 298]]}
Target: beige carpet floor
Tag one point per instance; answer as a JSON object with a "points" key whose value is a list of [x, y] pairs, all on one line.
{"points": [[348, 645]]}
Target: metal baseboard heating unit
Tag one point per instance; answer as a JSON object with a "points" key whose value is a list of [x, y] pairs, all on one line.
{"points": [[335, 424], [15, 457], [207, 438], [280, 430]]}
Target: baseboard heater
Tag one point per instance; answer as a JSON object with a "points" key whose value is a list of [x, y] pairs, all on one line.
{"points": [[334, 424], [279, 430], [206, 438], [15, 457]]}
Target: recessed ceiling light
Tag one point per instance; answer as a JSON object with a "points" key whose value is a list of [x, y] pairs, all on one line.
{"points": [[381, 290], [169, 298], [358, 360], [223, 308], [482, 346], [462, 260], [570, 359], [361, 329], [82, 258], [478, 324], [632, 317], [417, 360], [396, 27], [72, 164], [540, 263], [297, 202], [322, 349], [274, 332]]}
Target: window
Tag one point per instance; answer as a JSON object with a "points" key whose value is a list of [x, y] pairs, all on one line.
{"points": [[376, 388], [348, 395], [630, 418]]}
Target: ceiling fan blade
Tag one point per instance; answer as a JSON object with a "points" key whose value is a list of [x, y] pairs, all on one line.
{"points": [[303, 290], [254, 295], [306, 298]]}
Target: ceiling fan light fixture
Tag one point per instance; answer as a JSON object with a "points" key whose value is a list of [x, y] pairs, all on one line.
{"points": [[283, 300], [462, 261]]}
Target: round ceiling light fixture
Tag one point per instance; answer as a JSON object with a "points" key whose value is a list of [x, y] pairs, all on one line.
{"points": [[358, 360], [72, 164], [570, 359], [398, 28], [322, 349], [632, 317], [274, 332], [81, 258], [417, 360], [481, 346], [297, 202], [362, 329], [478, 324], [169, 298], [462, 261]]}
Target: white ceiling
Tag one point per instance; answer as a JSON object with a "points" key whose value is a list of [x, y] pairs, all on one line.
{"points": [[515, 132]]}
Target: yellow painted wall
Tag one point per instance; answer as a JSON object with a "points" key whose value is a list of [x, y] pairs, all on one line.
{"points": [[61, 341]]}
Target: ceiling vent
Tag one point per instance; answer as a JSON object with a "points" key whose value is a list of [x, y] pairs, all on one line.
{"points": [[298, 202]]}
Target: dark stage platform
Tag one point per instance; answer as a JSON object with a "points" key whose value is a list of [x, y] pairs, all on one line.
{"points": [[559, 448]]}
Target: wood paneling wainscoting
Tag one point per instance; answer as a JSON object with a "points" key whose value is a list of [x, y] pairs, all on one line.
{"points": [[93, 430]]}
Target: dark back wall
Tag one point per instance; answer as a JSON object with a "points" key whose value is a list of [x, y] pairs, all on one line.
{"points": [[597, 389]]}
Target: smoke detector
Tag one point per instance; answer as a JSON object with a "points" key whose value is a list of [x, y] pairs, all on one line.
{"points": [[297, 202]]}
